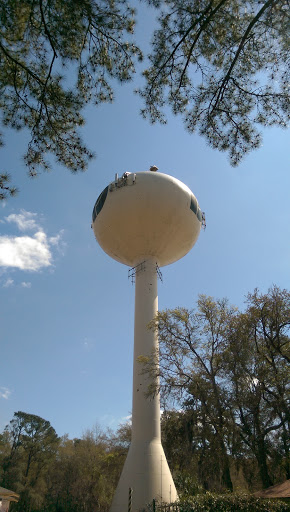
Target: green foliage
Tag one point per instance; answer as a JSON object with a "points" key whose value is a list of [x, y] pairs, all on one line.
{"points": [[223, 66], [269, 319], [33, 445], [187, 484], [60, 475], [56, 56], [227, 373], [85, 474], [231, 503], [5, 188]]}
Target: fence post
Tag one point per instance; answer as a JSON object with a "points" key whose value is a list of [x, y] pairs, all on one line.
{"points": [[130, 500]]}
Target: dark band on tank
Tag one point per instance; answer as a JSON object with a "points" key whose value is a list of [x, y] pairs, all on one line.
{"points": [[195, 208], [99, 203]]}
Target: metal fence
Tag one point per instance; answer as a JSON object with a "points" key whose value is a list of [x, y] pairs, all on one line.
{"points": [[164, 507], [156, 506]]}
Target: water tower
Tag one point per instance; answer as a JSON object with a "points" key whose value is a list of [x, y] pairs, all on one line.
{"points": [[145, 220]]}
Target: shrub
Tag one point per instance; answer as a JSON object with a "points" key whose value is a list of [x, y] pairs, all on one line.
{"points": [[210, 502], [232, 503]]}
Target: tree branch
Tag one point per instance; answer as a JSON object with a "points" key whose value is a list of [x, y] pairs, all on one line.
{"points": [[225, 80], [185, 36], [201, 29]]}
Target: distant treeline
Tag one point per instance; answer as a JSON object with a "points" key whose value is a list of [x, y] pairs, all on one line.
{"points": [[60, 474]]}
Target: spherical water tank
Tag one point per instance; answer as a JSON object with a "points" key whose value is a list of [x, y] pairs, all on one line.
{"points": [[146, 215]]}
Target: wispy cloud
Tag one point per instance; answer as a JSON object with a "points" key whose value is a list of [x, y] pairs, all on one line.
{"points": [[9, 282], [24, 220], [126, 420], [26, 284], [58, 242], [4, 392], [28, 252], [114, 422]]}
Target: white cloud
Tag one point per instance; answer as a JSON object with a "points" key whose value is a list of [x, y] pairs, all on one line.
{"points": [[9, 282], [114, 422], [26, 285], [5, 393], [25, 252], [24, 220], [57, 242], [127, 420], [31, 252]]}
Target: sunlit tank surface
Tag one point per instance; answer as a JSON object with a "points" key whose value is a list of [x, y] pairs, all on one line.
{"points": [[145, 215]]}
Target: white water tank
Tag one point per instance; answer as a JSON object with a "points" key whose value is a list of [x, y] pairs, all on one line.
{"points": [[147, 214]]}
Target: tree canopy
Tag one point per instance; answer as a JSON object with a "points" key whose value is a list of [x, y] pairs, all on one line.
{"points": [[56, 56], [31, 445], [59, 474], [221, 64], [227, 373]]}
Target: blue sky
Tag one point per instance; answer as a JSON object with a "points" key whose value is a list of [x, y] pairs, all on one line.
{"points": [[67, 309]]}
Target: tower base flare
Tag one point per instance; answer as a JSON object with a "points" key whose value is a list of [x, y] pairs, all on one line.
{"points": [[147, 473]]}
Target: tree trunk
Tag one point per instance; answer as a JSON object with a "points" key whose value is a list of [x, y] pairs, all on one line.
{"points": [[285, 441], [226, 475], [261, 456]]}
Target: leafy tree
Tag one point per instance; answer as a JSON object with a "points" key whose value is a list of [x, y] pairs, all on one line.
{"points": [[220, 366], [254, 421], [84, 475], [259, 344], [33, 445], [56, 56], [269, 315], [60, 475], [191, 347], [4, 451], [185, 454], [222, 65], [269, 330]]}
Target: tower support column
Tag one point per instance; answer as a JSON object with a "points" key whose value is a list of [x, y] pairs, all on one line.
{"points": [[146, 469], [145, 411]]}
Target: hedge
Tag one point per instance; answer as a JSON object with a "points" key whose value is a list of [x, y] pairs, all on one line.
{"points": [[225, 503]]}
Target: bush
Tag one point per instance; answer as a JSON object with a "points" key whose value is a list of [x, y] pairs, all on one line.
{"points": [[228, 503]]}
